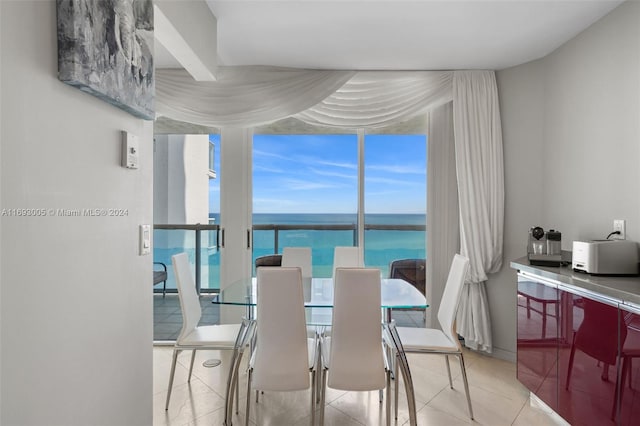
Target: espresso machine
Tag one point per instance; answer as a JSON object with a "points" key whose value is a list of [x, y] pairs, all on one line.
{"points": [[544, 248]]}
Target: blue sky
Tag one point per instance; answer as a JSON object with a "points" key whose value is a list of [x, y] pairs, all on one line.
{"points": [[318, 174]]}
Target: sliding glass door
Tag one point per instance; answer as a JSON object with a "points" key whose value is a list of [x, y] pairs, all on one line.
{"points": [[315, 187]]}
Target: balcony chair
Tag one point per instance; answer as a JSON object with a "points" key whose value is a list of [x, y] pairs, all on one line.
{"points": [[298, 257], [445, 341], [269, 260], [411, 270], [160, 276], [353, 357], [283, 356], [192, 336]]}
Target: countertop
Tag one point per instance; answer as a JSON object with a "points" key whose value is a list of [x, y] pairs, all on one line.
{"points": [[619, 289]]}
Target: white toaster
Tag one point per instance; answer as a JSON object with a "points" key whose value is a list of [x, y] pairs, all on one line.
{"points": [[605, 257]]}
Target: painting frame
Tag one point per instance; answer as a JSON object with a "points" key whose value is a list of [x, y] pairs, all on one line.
{"points": [[105, 48]]}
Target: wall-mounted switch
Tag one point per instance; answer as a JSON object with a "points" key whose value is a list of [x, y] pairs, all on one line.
{"points": [[145, 239], [130, 146]]}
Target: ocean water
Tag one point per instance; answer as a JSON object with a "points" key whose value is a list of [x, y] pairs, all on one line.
{"points": [[380, 246]]}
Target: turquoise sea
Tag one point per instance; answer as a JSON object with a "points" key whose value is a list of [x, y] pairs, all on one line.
{"points": [[380, 246]]}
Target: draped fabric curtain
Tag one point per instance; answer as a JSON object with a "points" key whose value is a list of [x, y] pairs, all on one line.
{"points": [[377, 99], [251, 96], [243, 96], [480, 171]]}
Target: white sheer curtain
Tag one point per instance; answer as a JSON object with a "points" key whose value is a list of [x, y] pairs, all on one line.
{"points": [[243, 96], [480, 171], [250, 96], [376, 99]]}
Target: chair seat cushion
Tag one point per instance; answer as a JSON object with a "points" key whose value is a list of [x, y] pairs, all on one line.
{"points": [[222, 336], [421, 339], [159, 276]]}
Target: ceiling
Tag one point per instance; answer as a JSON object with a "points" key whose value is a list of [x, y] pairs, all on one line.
{"points": [[399, 35]]}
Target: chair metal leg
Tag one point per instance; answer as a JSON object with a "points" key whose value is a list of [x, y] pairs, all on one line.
{"points": [[446, 358], [246, 419], [388, 407], [193, 358], [323, 376], [232, 382], [313, 397], [237, 394], [173, 372], [396, 387], [466, 384]]}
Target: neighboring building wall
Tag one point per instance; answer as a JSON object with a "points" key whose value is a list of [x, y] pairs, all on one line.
{"points": [[196, 188], [181, 182], [571, 127], [76, 298]]}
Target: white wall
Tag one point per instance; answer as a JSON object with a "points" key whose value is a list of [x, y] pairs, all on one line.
{"points": [[76, 311], [571, 129]]}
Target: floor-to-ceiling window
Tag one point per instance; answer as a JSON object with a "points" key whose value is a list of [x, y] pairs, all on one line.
{"points": [[305, 191], [186, 219], [395, 198], [308, 190]]}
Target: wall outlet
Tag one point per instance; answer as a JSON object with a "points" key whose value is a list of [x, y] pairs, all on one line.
{"points": [[619, 225]]}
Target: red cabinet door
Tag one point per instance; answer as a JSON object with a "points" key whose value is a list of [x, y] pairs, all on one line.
{"points": [[588, 360], [630, 368], [537, 338]]}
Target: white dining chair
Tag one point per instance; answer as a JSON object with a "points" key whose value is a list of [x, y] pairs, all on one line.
{"points": [[445, 341], [283, 356], [346, 257], [192, 336], [298, 257], [353, 357]]}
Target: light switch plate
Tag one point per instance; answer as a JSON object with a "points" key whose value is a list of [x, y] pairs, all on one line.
{"points": [[130, 154], [145, 239]]}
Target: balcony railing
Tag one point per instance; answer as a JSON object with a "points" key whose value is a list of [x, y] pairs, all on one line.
{"points": [[383, 243], [200, 242]]}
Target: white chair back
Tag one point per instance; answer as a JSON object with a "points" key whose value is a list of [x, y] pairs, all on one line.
{"points": [[451, 296], [189, 301], [346, 257], [356, 361], [298, 257], [281, 359]]}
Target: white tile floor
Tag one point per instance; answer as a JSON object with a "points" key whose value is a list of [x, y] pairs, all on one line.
{"points": [[497, 396]]}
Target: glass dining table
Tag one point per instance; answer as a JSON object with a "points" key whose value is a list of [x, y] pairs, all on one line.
{"points": [[318, 299], [318, 293]]}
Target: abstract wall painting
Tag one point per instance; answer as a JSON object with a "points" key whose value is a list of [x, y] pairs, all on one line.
{"points": [[105, 48]]}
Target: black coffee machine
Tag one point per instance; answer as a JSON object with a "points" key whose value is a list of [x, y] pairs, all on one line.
{"points": [[544, 248]]}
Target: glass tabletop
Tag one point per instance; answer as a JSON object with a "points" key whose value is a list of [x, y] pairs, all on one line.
{"points": [[318, 293]]}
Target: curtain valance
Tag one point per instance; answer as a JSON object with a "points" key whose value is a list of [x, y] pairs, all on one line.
{"points": [[251, 96], [243, 96]]}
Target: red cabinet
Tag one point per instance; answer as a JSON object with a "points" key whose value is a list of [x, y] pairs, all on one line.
{"points": [[579, 352]]}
